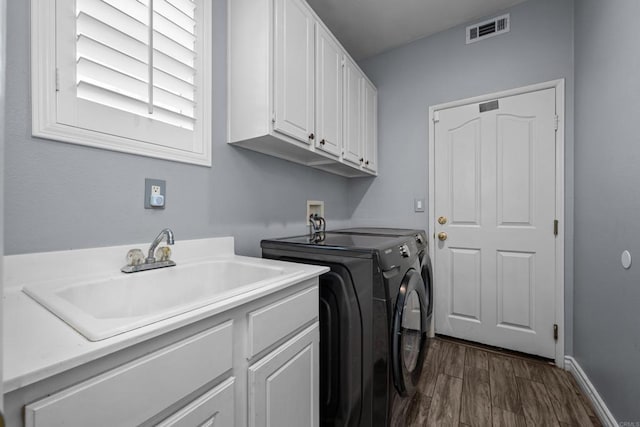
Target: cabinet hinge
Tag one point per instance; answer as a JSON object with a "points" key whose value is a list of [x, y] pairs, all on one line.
{"points": [[555, 332], [436, 116], [556, 120], [556, 223], [57, 80]]}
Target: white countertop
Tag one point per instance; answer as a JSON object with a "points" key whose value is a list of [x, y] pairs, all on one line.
{"points": [[37, 344]]}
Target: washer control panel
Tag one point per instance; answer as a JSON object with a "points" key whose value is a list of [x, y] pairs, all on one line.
{"points": [[399, 254], [404, 251]]}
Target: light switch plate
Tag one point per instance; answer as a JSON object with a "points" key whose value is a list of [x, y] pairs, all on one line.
{"points": [[418, 205], [148, 183]]}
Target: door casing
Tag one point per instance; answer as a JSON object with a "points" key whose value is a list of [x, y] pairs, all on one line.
{"points": [[560, 189]]}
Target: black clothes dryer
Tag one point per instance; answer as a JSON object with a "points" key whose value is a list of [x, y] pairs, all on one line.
{"points": [[373, 322]]}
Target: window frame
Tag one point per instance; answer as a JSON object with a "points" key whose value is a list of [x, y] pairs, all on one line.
{"points": [[44, 78]]}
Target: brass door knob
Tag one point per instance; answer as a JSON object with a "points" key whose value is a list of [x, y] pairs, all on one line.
{"points": [[442, 220], [442, 236]]}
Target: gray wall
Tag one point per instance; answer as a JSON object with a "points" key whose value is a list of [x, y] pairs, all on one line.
{"points": [[3, 57], [443, 68], [607, 202], [63, 196]]}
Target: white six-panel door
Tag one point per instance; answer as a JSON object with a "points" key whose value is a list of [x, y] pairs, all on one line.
{"points": [[495, 195]]}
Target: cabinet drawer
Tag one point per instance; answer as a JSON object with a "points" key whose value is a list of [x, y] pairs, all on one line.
{"points": [[214, 408], [138, 390], [276, 321]]}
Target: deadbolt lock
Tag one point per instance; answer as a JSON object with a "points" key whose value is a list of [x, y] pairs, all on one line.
{"points": [[442, 220], [442, 236]]}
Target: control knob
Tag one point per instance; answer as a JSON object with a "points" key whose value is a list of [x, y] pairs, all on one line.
{"points": [[404, 251]]}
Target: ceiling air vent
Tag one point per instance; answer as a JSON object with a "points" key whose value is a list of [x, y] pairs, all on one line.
{"points": [[487, 29]]}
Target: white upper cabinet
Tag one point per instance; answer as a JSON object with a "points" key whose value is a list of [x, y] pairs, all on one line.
{"points": [[329, 62], [353, 152], [370, 126], [294, 92], [294, 70], [361, 119]]}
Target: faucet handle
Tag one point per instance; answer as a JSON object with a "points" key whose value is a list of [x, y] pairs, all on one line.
{"points": [[135, 257], [163, 253]]}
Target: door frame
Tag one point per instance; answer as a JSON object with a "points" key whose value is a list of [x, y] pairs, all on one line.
{"points": [[559, 85]]}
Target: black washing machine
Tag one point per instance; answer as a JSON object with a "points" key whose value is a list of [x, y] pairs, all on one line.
{"points": [[373, 321], [421, 239]]}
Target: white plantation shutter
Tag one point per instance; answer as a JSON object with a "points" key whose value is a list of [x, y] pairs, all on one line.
{"points": [[114, 57], [137, 70]]}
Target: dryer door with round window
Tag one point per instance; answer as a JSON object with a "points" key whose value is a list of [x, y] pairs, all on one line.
{"points": [[409, 342]]}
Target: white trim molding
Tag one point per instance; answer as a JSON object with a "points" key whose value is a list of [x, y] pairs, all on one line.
{"points": [[559, 85], [603, 413]]}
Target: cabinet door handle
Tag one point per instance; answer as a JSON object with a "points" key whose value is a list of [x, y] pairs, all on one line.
{"points": [[312, 137], [367, 163], [361, 159], [322, 142]]}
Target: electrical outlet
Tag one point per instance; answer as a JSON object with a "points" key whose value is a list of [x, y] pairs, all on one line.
{"points": [[155, 193]]}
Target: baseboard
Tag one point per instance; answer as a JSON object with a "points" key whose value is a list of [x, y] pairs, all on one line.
{"points": [[606, 417]]}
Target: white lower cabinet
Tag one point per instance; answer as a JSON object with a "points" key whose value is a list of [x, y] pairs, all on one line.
{"points": [[283, 386], [213, 409], [131, 394], [256, 364]]}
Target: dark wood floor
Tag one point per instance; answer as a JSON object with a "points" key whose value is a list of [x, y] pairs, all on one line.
{"points": [[468, 385]]}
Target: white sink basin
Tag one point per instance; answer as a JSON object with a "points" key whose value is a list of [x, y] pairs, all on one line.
{"points": [[103, 307]]}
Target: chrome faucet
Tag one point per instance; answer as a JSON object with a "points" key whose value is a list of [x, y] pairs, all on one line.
{"points": [[137, 262], [152, 249]]}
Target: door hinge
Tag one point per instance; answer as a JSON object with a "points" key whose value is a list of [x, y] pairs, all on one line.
{"points": [[57, 80], [556, 223], [436, 116], [556, 120], [555, 332]]}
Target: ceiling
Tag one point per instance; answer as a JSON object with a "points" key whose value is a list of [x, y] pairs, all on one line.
{"points": [[368, 27]]}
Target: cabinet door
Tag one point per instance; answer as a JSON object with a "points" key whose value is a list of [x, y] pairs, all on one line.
{"points": [[370, 126], [214, 408], [353, 114], [328, 92], [284, 387], [294, 69]]}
